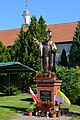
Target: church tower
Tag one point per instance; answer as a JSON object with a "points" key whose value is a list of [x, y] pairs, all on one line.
{"points": [[26, 16]]}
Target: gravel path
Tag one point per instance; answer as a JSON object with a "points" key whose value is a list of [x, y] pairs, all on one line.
{"points": [[25, 117], [66, 116]]}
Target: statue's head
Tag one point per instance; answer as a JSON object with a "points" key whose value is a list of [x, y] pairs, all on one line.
{"points": [[48, 35]]}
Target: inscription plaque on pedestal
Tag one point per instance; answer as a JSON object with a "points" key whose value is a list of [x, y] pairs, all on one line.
{"points": [[45, 95]]}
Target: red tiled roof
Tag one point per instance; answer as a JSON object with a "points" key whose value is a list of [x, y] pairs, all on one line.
{"points": [[61, 33], [9, 36]]}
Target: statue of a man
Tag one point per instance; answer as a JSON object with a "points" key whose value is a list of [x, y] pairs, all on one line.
{"points": [[48, 52]]}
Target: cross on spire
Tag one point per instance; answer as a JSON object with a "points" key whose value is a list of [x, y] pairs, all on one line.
{"points": [[26, 3]]}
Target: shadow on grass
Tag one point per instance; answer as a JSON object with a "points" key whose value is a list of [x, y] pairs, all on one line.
{"points": [[4, 94], [16, 109], [27, 99], [71, 113]]}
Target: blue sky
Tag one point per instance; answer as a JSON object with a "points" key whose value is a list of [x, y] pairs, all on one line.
{"points": [[53, 11]]}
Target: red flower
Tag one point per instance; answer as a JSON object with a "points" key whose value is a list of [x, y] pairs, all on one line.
{"points": [[50, 75], [40, 75]]}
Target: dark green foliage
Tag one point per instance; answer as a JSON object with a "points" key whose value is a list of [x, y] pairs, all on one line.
{"points": [[4, 53], [63, 61], [70, 82], [19, 49], [33, 50], [75, 48], [75, 54]]}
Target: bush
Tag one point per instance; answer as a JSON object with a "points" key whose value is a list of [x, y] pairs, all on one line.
{"points": [[70, 82], [13, 90]]}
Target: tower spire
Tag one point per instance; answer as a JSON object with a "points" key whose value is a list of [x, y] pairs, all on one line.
{"points": [[26, 15]]}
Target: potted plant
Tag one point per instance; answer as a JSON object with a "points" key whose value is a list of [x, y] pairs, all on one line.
{"points": [[53, 113], [30, 111]]}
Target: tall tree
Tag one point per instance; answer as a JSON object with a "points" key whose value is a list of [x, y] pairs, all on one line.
{"points": [[19, 53], [33, 50], [75, 48], [42, 29], [19, 49], [63, 61]]}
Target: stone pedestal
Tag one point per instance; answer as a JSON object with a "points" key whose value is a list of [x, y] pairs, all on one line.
{"points": [[47, 88]]}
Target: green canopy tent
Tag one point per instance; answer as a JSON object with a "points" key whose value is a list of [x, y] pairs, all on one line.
{"points": [[14, 68]]}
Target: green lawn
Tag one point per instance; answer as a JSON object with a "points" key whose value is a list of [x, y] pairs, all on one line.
{"points": [[71, 107], [10, 106]]}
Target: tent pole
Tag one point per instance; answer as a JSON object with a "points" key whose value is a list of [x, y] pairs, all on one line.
{"points": [[9, 84]]}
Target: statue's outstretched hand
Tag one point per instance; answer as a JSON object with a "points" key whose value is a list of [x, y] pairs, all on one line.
{"points": [[37, 41]]}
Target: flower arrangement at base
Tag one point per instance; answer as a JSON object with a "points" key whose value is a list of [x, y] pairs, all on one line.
{"points": [[45, 75], [46, 106]]}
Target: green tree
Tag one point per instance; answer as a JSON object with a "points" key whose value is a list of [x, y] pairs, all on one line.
{"points": [[33, 50], [4, 53], [19, 49], [63, 61], [70, 82], [75, 48], [42, 29], [19, 53], [37, 29]]}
